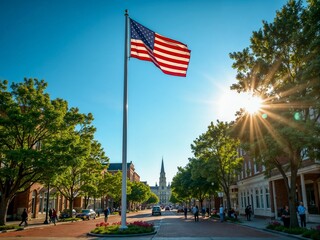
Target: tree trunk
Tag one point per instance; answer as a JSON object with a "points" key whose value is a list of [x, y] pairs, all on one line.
{"points": [[4, 204], [71, 205], [292, 198], [228, 201]]}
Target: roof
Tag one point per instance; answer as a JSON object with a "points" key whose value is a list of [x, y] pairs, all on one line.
{"points": [[117, 166]]}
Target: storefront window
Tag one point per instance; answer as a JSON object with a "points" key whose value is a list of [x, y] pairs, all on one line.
{"points": [[267, 198]]}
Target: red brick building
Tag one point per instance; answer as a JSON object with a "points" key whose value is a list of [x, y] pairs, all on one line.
{"points": [[35, 197]]}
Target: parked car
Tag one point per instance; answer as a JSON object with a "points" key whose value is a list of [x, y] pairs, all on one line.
{"points": [[156, 210], [167, 208], [180, 209], [87, 214], [66, 213]]}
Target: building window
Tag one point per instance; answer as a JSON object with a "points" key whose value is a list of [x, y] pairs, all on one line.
{"points": [[41, 203], [304, 154], [33, 202], [257, 198], [245, 169], [256, 166], [261, 198], [267, 197], [243, 200], [249, 168]]}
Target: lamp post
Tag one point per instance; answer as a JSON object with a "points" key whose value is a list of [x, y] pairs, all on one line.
{"points": [[46, 221], [210, 207], [220, 194]]}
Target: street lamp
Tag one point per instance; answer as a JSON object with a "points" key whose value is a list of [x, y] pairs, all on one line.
{"points": [[220, 194], [212, 184], [48, 193]]}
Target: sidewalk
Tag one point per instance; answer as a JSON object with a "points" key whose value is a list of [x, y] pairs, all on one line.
{"points": [[261, 223], [39, 222]]}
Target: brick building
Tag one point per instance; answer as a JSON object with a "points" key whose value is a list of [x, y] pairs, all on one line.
{"points": [[35, 198], [268, 195]]}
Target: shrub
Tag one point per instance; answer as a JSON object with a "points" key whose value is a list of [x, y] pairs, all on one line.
{"points": [[137, 227], [279, 228], [295, 231], [315, 235], [8, 227], [273, 224], [312, 233]]}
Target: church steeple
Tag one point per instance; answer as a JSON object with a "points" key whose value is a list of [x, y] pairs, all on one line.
{"points": [[162, 167], [162, 179]]}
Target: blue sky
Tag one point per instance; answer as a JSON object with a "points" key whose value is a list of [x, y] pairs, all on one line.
{"points": [[77, 47]]}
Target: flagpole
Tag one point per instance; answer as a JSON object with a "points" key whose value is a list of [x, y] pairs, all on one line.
{"points": [[125, 123]]}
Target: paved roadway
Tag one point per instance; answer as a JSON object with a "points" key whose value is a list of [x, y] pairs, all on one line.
{"points": [[170, 226]]}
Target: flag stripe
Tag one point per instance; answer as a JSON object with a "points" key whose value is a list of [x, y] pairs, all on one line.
{"points": [[171, 56], [160, 59]]}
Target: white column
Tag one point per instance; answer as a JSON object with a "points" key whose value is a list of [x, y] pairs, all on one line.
{"points": [[304, 195], [274, 200]]}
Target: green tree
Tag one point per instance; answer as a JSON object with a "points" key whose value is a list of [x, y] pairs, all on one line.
{"points": [[73, 173], [153, 199], [200, 185], [113, 187], [181, 184], [140, 192], [93, 173], [28, 119], [217, 154], [282, 67]]}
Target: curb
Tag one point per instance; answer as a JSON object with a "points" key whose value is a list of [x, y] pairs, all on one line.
{"points": [[121, 235], [286, 234]]}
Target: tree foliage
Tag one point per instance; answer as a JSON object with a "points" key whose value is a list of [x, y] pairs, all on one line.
{"points": [[153, 199], [282, 65], [217, 154], [93, 173], [30, 123], [140, 192]]}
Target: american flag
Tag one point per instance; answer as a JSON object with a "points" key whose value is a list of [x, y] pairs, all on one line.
{"points": [[171, 56]]}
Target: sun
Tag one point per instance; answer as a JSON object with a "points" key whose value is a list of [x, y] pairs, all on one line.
{"points": [[229, 102], [252, 104]]}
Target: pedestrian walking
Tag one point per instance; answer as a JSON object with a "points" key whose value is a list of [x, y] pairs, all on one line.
{"points": [[50, 214], [203, 212], [185, 211], [248, 212], [221, 213], [106, 214], [195, 211], [302, 214], [24, 218], [286, 217], [54, 216]]}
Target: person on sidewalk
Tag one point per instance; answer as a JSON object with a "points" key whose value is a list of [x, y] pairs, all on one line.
{"points": [[106, 214], [50, 215], [302, 214], [248, 212], [286, 217], [185, 211], [221, 213], [203, 212], [24, 218], [195, 211], [54, 216]]}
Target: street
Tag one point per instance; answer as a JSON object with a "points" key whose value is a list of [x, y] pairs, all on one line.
{"points": [[169, 225]]}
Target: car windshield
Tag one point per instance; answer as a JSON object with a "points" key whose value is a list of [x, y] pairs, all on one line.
{"points": [[85, 210]]}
